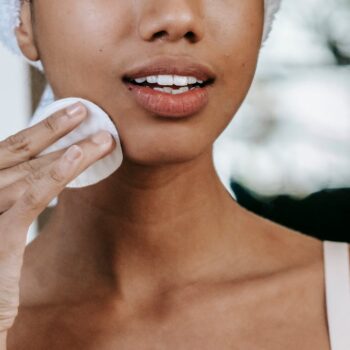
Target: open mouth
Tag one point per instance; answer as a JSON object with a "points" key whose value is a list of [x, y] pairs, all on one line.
{"points": [[169, 84], [169, 95]]}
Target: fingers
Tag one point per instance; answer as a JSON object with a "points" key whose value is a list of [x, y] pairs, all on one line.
{"points": [[14, 181], [10, 194], [47, 183], [27, 143], [11, 175]]}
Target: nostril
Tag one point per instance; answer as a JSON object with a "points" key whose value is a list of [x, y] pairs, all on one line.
{"points": [[191, 36], [159, 35]]}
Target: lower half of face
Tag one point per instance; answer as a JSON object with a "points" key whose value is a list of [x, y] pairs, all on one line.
{"points": [[122, 56]]}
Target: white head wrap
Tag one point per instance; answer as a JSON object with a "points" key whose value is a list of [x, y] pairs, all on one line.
{"points": [[9, 20]]}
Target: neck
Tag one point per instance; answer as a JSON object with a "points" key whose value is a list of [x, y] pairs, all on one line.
{"points": [[147, 226]]}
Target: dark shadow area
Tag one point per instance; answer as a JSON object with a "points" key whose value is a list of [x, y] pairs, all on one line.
{"points": [[325, 214]]}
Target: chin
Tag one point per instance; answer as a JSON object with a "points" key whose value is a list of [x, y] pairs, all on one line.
{"points": [[162, 150]]}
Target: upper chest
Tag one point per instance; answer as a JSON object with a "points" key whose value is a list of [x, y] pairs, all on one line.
{"points": [[216, 318]]}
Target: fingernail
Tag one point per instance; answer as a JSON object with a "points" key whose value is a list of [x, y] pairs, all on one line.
{"points": [[102, 137], [73, 153], [75, 110]]}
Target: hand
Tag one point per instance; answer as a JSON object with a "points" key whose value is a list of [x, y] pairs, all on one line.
{"points": [[28, 183]]}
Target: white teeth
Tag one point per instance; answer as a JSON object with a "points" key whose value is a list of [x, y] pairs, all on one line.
{"points": [[140, 80], [180, 81], [169, 80], [191, 80], [165, 80], [184, 89], [172, 91], [152, 79], [169, 90]]}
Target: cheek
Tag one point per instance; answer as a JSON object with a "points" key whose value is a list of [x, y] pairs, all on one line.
{"points": [[240, 43], [79, 41]]}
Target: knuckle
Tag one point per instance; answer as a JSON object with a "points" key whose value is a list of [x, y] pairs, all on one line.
{"points": [[32, 199], [28, 167], [32, 178], [51, 124], [56, 175], [17, 143]]}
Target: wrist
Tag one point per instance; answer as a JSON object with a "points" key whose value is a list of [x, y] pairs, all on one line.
{"points": [[3, 338]]}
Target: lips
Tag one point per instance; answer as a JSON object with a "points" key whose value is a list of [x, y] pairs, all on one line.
{"points": [[171, 65], [170, 87], [167, 105]]}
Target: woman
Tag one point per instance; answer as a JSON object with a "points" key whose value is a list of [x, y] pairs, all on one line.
{"points": [[158, 255]]}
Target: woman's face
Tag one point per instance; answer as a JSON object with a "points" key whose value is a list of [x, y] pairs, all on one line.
{"points": [[93, 48]]}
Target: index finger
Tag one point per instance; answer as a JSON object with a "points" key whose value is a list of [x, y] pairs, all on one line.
{"points": [[27, 143]]}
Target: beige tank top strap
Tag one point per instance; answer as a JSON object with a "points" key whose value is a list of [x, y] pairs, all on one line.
{"points": [[337, 284]]}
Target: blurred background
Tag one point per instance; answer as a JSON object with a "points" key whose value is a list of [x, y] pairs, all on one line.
{"points": [[286, 155]]}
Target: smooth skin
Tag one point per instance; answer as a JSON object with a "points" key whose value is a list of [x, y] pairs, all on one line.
{"points": [[157, 256]]}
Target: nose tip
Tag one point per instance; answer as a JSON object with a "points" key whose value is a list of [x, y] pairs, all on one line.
{"points": [[172, 21]]}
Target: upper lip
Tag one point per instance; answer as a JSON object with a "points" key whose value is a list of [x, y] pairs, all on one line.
{"points": [[183, 66]]}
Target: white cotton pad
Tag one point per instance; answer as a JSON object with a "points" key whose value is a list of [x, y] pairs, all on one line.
{"points": [[96, 120]]}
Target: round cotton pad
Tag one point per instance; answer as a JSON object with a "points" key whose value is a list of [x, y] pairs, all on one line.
{"points": [[96, 120]]}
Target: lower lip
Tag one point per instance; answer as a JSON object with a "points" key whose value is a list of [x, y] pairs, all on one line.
{"points": [[168, 105]]}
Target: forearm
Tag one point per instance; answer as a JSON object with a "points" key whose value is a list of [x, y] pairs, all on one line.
{"points": [[3, 337]]}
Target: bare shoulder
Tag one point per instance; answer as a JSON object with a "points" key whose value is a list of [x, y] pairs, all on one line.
{"points": [[285, 286], [282, 248]]}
